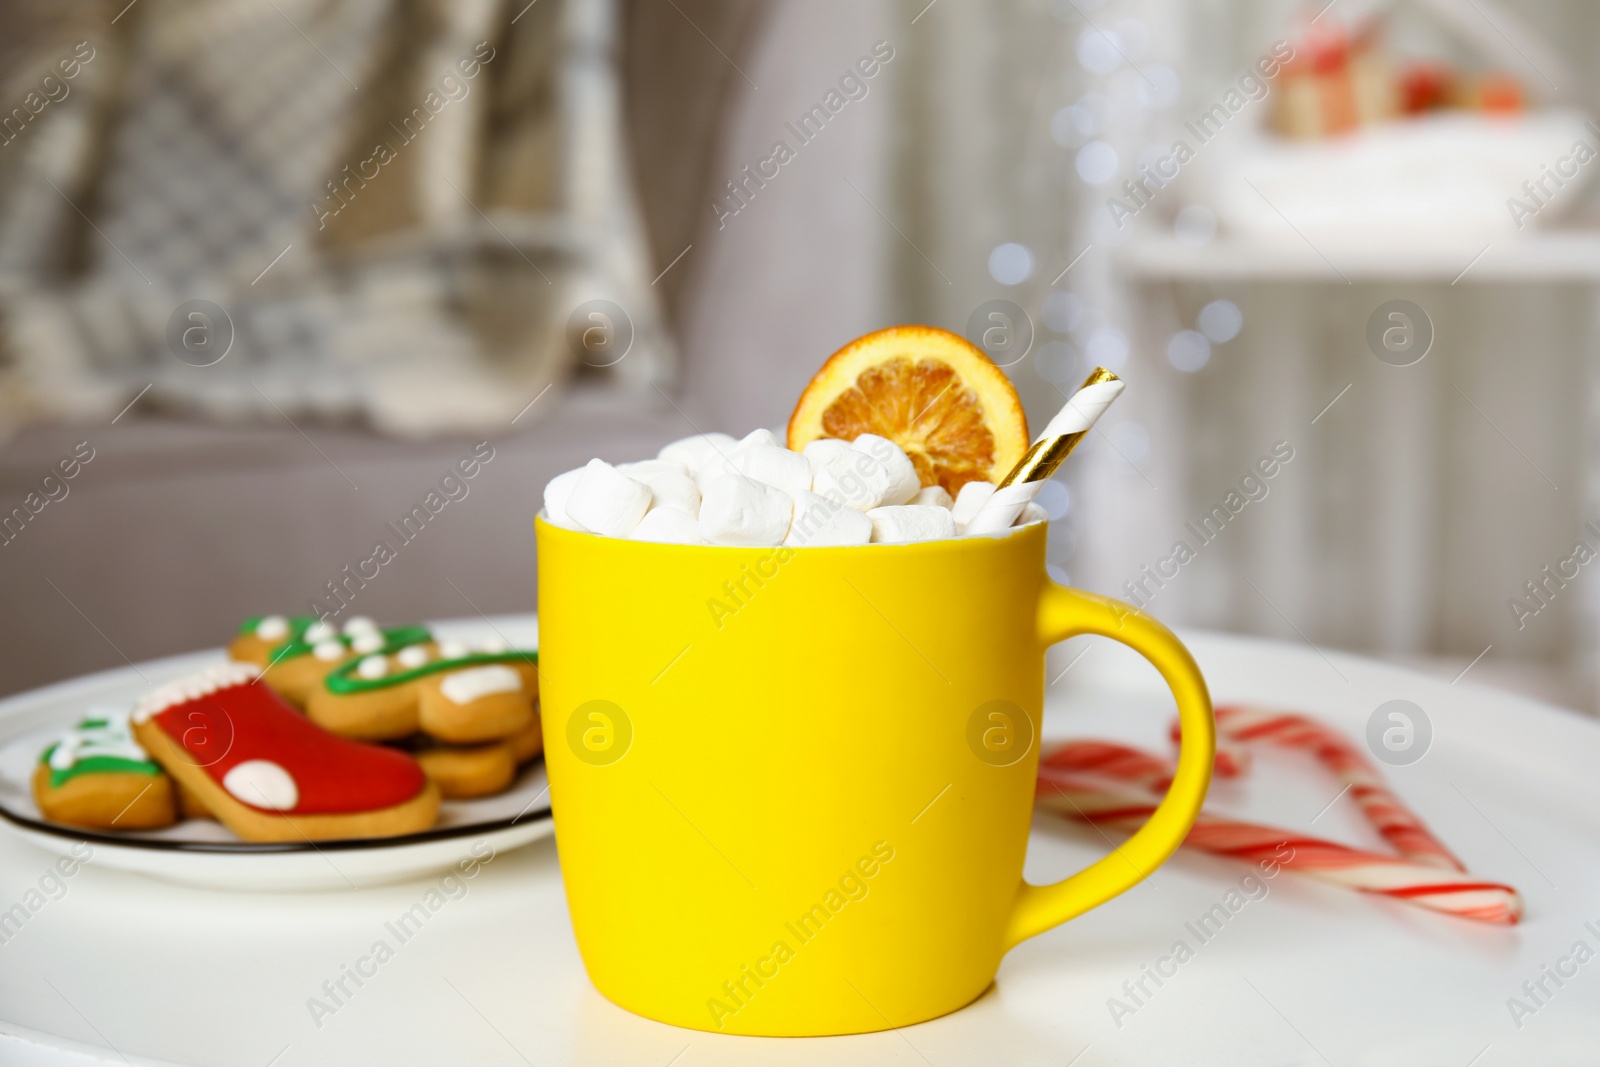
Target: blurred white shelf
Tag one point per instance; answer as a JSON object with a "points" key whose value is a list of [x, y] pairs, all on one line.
{"points": [[1572, 256]]}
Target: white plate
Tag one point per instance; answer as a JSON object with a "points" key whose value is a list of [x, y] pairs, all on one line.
{"points": [[204, 853]]}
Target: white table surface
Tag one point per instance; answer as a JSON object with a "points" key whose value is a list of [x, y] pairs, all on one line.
{"points": [[124, 969]]}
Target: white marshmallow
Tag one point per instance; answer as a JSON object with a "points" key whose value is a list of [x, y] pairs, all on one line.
{"points": [[934, 496], [714, 465], [904, 482], [641, 466], [557, 492], [777, 467], [606, 501], [818, 521], [734, 510], [760, 437], [910, 522], [668, 525], [969, 501], [854, 478], [691, 451], [669, 486], [823, 449], [1031, 514]]}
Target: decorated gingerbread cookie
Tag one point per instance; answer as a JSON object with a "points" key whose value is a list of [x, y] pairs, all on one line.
{"points": [[528, 742], [380, 703], [262, 635], [447, 691], [298, 652], [97, 776], [270, 774], [484, 702], [464, 771]]}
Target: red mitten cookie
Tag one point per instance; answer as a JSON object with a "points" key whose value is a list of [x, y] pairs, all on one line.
{"points": [[268, 773]]}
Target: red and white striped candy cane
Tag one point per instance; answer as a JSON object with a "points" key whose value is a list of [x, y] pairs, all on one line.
{"points": [[1399, 826], [1111, 760], [1072, 782]]}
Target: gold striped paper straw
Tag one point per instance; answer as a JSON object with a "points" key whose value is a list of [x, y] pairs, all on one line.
{"points": [[1048, 451]]}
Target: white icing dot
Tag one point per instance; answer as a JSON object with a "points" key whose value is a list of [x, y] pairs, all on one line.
{"points": [[413, 656], [273, 628], [65, 754], [367, 643], [496, 645], [328, 650], [452, 649], [373, 667], [360, 624], [320, 631], [262, 784], [463, 687]]}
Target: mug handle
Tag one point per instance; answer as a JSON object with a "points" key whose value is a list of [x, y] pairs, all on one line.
{"points": [[1065, 613]]}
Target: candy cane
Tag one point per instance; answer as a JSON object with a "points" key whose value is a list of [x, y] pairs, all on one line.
{"points": [[1412, 883], [1391, 818], [1067, 785]]}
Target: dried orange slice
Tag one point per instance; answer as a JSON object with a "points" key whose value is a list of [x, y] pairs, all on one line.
{"points": [[929, 391]]}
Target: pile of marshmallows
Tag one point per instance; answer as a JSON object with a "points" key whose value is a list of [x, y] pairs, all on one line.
{"points": [[713, 489]]}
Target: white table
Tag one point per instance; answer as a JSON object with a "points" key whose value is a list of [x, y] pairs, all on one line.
{"points": [[126, 969]]}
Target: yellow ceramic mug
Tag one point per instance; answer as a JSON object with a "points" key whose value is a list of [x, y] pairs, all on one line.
{"points": [[792, 787]]}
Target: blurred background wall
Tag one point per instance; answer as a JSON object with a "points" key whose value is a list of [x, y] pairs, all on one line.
{"points": [[382, 318]]}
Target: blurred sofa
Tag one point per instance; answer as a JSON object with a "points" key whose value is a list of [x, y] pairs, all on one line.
{"points": [[176, 529]]}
